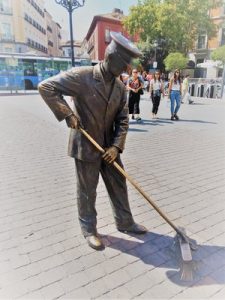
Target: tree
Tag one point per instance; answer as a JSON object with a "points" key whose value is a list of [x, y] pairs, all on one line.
{"points": [[151, 53], [177, 22], [175, 60], [219, 54]]}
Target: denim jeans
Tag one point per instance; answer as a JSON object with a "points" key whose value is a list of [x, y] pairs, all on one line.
{"points": [[175, 96]]}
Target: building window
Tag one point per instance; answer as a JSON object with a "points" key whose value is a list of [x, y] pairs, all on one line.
{"points": [[201, 41], [50, 43], [199, 61], [36, 45], [6, 29], [4, 7], [34, 23], [69, 52], [107, 36], [49, 28], [34, 4], [8, 50]]}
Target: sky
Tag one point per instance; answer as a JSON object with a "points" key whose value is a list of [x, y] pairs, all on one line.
{"points": [[83, 16]]}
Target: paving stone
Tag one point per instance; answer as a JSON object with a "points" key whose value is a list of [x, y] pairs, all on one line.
{"points": [[114, 264], [80, 293], [33, 295], [119, 293], [219, 294], [116, 279], [202, 290], [180, 165], [73, 267], [52, 275], [75, 281], [52, 291], [138, 285], [97, 288]]}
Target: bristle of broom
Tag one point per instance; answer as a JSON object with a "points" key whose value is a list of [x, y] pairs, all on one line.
{"points": [[187, 271]]}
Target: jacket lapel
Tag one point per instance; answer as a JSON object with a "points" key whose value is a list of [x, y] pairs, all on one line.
{"points": [[115, 91], [99, 86]]}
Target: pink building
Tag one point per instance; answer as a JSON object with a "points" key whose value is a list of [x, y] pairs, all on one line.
{"points": [[98, 36]]}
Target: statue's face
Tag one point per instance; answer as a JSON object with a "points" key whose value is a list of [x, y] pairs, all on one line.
{"points": [[115, 64]]}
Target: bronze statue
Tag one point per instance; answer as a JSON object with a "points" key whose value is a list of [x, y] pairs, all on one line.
{"points": [[100, 107]]}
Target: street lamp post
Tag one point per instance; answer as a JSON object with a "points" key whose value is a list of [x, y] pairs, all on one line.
{"points": [[155, 62], [70, 5]]}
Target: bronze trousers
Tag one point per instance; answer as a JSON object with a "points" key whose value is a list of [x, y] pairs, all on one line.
{"points": [[87, 181]]}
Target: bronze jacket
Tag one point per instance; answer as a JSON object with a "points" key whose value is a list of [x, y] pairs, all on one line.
{"points": [[106, 120]]}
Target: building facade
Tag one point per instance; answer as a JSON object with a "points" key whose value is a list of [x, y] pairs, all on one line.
{"points": [[66, 48], [53, 36], [23, 28], [204, 46], [98, 36]]}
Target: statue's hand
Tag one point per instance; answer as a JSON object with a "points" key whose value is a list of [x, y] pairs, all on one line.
{"points": [[72, 122], [110, 154]]}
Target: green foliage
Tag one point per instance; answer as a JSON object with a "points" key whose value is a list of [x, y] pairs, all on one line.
{"points": [[219, 54], [175, 60], [136, 64], [177, 22]]}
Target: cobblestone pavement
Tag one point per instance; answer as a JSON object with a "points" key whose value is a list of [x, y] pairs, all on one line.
{"points": [[180, 164]]}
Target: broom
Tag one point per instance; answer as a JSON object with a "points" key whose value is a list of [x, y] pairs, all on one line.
{"points": [[185, 243]]}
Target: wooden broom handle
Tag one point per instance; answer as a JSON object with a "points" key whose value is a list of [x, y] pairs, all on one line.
{"points": [[137, 187]]}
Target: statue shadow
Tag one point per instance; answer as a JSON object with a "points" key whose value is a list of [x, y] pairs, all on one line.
{"points": [[162, 251]]}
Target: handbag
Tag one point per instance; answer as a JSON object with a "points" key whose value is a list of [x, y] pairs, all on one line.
{"points": [[157, 93], [140, 92]]}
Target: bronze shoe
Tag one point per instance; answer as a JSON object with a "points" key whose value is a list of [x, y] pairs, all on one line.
{"points": [[95, 242], [134, 228]]}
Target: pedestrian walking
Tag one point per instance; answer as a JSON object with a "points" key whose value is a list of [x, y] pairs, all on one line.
{"points": [[156, 89], [135, 88], [149, 78], [186, 97], [145, 80], [174, 93], [101, 109], [124, 78]]}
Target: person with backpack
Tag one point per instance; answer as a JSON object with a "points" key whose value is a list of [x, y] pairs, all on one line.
{"points": [[135, 88]]}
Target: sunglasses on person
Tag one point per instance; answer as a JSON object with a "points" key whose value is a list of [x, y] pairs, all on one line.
{"points": [[134, 72]]}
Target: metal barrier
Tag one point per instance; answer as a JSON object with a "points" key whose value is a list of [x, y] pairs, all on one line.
{"points": [[205, 88]]}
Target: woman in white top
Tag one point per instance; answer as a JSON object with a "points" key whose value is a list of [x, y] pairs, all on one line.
{"points": [[156, 88], [175, 88]]}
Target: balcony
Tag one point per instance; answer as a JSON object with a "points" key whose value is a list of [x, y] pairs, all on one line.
{"points": [[6, 10], [7, 38]]}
